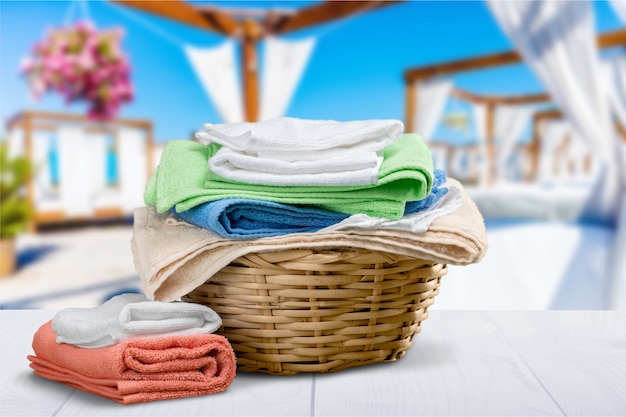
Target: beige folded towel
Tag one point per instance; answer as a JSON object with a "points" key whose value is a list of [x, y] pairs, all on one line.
{"points": [[174, 258]]}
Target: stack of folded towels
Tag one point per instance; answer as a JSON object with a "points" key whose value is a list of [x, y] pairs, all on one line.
{"points": [[289, 183], [133, 350]]}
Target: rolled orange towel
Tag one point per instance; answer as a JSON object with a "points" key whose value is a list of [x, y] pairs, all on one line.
{"points": [[138, 370]]}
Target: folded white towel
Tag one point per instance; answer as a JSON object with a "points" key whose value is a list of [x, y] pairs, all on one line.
{"points": [[332, 163], [129, 316], [288, 134], [305, 173]]}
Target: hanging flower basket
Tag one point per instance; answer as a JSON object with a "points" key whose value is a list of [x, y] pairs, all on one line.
{"points": [[82, 64]]}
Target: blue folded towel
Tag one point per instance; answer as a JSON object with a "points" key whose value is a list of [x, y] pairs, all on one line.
{"points": [[247, 218], [436, 193]]}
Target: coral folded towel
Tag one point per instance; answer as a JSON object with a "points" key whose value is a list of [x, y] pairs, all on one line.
{"points": [[138, 370]]}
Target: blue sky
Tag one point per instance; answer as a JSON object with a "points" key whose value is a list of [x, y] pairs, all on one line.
{"points": [[355, 72]]}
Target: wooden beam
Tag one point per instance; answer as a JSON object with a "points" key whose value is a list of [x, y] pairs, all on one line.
{"points": [[605, 40], [37, 116], [250, 71], [485, 61], [323, 13], [495, 100], [183, 12], [222, 20]]}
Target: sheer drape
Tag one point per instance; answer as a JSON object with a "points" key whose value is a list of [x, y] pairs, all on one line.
{"points": [[283, 65], [558, 41], [509, 122], [614, 77], [431, 100], [75, 172], [620, 9], [132, 167], [480, 128], [216, 68], [552, 134]]}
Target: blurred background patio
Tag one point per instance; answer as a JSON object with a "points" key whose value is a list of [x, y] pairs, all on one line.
{"points": [[525, 106]]}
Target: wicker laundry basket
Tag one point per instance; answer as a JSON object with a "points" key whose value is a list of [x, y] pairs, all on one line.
{"points": [[320, 311]]}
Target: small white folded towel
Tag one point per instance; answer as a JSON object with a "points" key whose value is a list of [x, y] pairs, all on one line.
{"points": [[328, 173], [332, 163], [289, 134], [130, 316]]}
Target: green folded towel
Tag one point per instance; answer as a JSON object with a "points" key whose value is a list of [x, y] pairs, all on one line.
{"points": [[184, 180]]}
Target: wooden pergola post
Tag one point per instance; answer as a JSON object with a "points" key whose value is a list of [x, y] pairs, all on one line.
{"points": [[411, 107], [250, 70], [489, 129]]}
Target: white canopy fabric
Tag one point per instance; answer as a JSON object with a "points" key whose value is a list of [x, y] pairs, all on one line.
{"points": [[431, 100], [480, 128], [15, 143], [552, 134], [43, 190], [620, 9], [132, 167], [216, 68], [75, 172], [283, 65], [509, 122], [97, 148], [558, 41], [578, 151], [614, 77]]}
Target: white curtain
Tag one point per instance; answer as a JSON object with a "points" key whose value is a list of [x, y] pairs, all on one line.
{"points": [[552, 133], [577, 154], [15, 143], [75, 178], [557, 40], [620, 9], [96, 145], [283, 65], [43, 189], [431, 100], [509, 122], [132, 167], [480, 128], [460, 163], [216, 68], [614, 76]]}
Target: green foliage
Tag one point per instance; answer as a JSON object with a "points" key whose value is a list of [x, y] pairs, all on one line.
{"points": [[15, 210]]}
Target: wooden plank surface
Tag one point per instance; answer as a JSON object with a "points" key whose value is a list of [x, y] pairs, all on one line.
{"points": [[247, 395], [579, 357], [21, 392], [463, 363], [460, 364]]}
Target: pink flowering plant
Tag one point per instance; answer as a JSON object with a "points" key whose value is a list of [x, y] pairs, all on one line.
{"points": [[82, 64]]}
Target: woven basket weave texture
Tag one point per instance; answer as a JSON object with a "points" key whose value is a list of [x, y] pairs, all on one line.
{"points": [[320, 311]]}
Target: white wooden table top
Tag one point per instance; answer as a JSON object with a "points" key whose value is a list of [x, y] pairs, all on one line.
{"points": [[500, 363]]}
